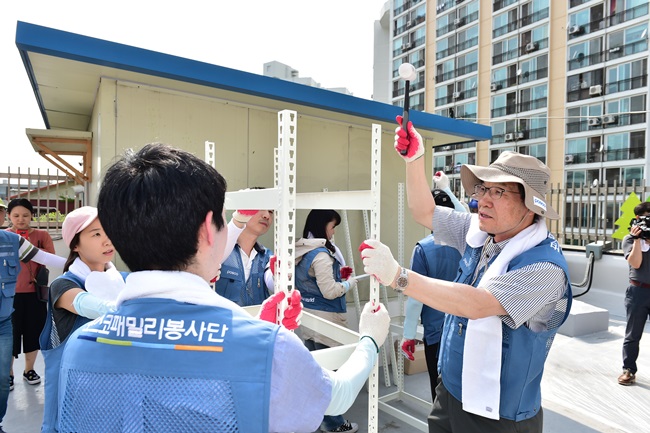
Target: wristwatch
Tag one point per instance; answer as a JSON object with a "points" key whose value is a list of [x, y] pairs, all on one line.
{"points": [[402, 281]]}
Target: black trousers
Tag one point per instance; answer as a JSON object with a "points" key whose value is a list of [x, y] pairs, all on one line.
{"points": [[431, 355], [447, 415], [637, 309]]}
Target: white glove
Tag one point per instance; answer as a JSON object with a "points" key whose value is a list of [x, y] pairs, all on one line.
{"points": [[374, 323], [378, 261], [349, 284], [440, 180]]}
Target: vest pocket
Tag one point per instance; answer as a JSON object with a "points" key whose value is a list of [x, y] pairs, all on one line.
{"points": [[10, 269]]}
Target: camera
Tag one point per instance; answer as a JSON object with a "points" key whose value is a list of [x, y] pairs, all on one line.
{"points": [[643, 222]]}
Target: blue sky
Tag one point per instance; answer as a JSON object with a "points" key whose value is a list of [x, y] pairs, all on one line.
{"points": [[330, 41]]}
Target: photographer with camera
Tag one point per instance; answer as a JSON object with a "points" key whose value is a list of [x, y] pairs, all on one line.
{"points": [[636, 247]]}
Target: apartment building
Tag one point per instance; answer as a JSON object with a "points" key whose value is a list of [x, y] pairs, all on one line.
{"points": [[563, 80]]}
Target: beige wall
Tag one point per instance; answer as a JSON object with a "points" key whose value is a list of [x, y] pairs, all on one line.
{"points": [[330, 154]]}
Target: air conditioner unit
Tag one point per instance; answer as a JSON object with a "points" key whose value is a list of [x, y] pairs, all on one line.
{"points": [[455, 95], [448, 168], [594, 121], [458, 22], [531, 47], [519, 135], [406, 46], [584, 85], [409, 24], [615, 49], [568, 159], [609, 119], [494, 87], [575, 30], [595, 90], [510, 136]]}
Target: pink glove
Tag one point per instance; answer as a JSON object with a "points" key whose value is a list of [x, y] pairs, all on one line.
{"points": [[292, 314], [243, 215], [272, 262], [411, 141], [408, 349], [346, 271]]}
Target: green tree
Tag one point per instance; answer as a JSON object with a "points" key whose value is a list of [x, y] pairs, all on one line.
{"points": [[627, 215]]}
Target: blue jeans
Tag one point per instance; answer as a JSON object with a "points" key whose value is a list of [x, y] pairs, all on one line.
{"points": [[6, 349], [330, 422]]}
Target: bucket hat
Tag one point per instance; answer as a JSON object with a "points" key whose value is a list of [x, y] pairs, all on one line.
{"points": [[525, 170]]}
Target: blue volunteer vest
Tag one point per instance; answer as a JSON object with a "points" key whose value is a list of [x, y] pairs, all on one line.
{"points": [[435, 261], [311, 294], [158, 365], [523, 351], [9, 247], [52, 357], [231, 284]]}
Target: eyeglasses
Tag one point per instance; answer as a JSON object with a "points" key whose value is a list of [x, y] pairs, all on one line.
{"points": [[494, 191]]}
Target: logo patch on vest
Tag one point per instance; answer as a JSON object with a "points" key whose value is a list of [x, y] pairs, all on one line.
{"points": [[539, 203]]}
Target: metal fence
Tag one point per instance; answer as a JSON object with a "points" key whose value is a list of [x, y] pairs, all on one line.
{"points": [[589, 212], [51, 192]]}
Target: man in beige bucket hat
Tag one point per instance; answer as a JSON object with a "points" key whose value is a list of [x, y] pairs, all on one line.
{"points": [[509, 298]]}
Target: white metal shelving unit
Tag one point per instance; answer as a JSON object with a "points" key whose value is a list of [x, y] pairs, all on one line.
{"points": [[285, 200]]}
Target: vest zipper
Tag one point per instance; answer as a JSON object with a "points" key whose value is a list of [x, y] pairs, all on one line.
{"points": [[460, 329]]}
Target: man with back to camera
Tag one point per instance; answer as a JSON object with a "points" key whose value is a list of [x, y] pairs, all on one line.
{"points": [[637, 296], [176, 356], [509, 298]]}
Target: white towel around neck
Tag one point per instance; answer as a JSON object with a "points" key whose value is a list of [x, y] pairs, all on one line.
{"points": [[481, 377], [105, 285]]}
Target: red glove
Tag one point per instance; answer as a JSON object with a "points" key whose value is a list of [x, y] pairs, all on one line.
{"points": [[408, 349], [346, 271], [411, 141], [243, 215], [272, 262], [292, 314], [362, 247]]}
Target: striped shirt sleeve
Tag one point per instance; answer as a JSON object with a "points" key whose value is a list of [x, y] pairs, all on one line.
{"points": [[26, 251], [529, 294]]}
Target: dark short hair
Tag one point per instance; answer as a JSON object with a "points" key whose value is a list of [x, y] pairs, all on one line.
{"points": [[642, 208], [316, 223], [20, 202], [152, 203]]}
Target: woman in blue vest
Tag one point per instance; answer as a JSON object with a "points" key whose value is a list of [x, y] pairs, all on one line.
{"points": [[318, 277], [70, 304]]}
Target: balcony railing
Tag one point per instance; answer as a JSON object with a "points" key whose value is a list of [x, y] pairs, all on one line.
{"points": [[504, 57], [582, 61], [627, 84], [636, 152], [587, 28], [457, 73], [534, 104], [510, 27], [463, 21], [412, 88], [628, 49], [500, 4], [534, 17], [539, 45], [461, 96], [574, 3], [504, 84], [537, 74], [536, 133], [628, 14]]}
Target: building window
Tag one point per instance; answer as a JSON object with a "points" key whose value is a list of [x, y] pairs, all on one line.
{"points": [[505, 50], [629, 41], [627, 76], [626, 111], [578, 117], [586, 21], [585, 54]]}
